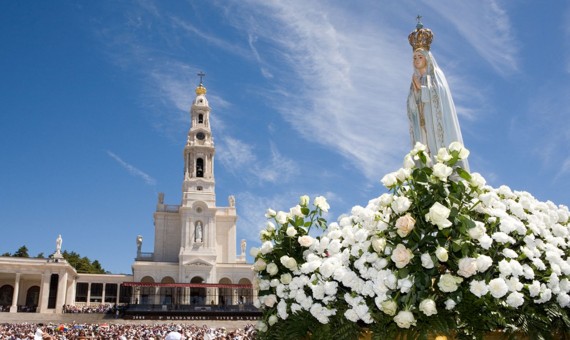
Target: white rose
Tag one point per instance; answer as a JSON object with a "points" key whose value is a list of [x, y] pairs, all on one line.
{"points": [[259, 265], [448, 283], [378, 244], [467, 266], [389, 180], [304, 200], [405, 319], [428, 307], [405, 224], [270, 227], [401, 256], [515, 299], [442, 171], [477, 231], [306, 241], [484, 262], [485, 241], [286, 278], [281, 217], [450, 304], [296, 211], [477, 180], [427, 262], [272, 269], [478, 288], [409, 162], [272, 320], [261, 326], [460, 149], [498, 287], [269, 300], [291, 231], [321, 203], [438, 215], [403, 174], [269, 213], [266, 247], [389, 307], [386, 199], [441, 254], [442, 155], [288, 262], [400, 204], [253, 251]]}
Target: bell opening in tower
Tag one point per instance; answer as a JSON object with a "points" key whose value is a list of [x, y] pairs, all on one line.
{"points": [[199, 167], [200, 118]]}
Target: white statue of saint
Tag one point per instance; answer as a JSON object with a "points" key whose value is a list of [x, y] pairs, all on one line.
{"points": [[243, 246], [431, 111], [139, 243], [198, 232], [58, 243]]}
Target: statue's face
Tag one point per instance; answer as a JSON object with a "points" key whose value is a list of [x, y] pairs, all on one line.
{"points": [[419, 60]]}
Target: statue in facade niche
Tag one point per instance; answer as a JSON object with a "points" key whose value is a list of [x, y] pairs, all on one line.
{"points": [[198, 231], [139, 243], [431, 111]]}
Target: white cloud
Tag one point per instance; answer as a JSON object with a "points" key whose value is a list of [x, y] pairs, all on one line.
{"points": [[135, 172]]}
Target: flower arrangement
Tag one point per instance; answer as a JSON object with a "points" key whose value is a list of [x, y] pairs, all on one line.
{"points": [[440, 253]]}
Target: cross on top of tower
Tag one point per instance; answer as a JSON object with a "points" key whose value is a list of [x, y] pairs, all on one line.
{"points": [[201, 75]]}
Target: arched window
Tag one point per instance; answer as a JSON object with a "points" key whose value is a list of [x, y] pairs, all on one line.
{"points": [[199, 167], [6, 293], [200, 118]]}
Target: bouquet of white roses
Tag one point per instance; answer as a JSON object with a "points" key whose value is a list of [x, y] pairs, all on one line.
{"points": [[440, 253]]}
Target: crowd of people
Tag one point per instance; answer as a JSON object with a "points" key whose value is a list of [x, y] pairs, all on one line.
{"points": [[121, 332], [102, 308]]}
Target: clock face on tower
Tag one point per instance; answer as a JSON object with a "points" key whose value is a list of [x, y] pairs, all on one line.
{"points": [[200, 135]]}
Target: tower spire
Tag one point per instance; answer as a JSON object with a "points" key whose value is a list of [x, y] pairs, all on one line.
{"points": [[200, 90]]}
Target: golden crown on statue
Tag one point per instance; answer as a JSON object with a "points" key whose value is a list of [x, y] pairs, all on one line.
{"points": [[421, 37]]}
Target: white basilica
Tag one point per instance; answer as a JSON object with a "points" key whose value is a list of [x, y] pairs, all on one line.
{"points": [[194, 259]]}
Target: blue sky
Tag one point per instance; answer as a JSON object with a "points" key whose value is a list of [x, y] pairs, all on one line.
{"points": [[307, 97]]}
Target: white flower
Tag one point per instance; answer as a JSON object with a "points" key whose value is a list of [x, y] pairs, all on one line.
{"points": [[288, 262], [291, 231], [266, 247], [269, 300], [460, 149], [272, 320], [286, 278], [389, 307], [405, 224], [405, 285], [450, 304], [389, 180], [428, 307], [442, 171], [405, 319], [483, 263], [281, 217], [253, 251], [296, 211], [427, 262], [442, 155], [306, 241], [477, 180], [321, 203], [272, 269], [515, 299], [401, 256], [409, 162], [563, 300], [478, 288], [467, 266], [438, 215], [378, 244], [401, 204], [261, 326], [448, 283], [510, 253], [441, 254], [269, 213], [498, 287], [304, 200], [478, 231], [403, 174], [259, 265], [485, 241]]}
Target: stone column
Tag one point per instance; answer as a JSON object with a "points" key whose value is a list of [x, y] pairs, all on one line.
{"points": [[88, 303], [44, 292], [71, 290], [61, 292], [117, 299], [14, 307], [103, 294]]}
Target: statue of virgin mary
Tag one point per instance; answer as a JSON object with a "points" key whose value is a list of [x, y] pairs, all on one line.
{"points": [[431, 112]]}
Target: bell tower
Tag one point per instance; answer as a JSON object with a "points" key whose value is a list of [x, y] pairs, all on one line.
{"points": [[199, 183]]}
